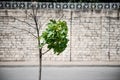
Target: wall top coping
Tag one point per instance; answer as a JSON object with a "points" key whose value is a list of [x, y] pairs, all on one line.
{"points": [[50, 5]]}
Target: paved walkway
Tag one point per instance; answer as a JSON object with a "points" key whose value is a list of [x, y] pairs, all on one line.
{"points": [[60, 73]]}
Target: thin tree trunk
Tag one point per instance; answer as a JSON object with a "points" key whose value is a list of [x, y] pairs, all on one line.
{"points": [[40, 56], [40, 63], [40, 49]]}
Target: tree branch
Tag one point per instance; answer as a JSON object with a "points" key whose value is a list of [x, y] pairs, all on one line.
{"points": [[26, 31], [61, 17], [45, 51], [42, 25], [23, 22]]}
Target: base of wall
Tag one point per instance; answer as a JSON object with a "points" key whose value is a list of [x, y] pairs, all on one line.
{"points": [[61, 64]]}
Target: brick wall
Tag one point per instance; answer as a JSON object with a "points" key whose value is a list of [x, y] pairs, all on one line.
{"points": [[94, 36]]}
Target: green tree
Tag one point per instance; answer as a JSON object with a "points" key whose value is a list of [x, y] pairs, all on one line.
{"points": [[55, 35]]}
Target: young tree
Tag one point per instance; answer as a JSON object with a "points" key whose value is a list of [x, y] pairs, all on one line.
{"points": [[54, 37]]}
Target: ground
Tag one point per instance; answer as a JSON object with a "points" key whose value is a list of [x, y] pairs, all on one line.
{"points": [[60, 73]]}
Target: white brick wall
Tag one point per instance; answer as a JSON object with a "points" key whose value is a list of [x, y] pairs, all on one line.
{"points": [[92, 36]]}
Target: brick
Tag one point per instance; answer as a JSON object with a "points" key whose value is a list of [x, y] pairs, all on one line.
{"points": [[89, 37]]}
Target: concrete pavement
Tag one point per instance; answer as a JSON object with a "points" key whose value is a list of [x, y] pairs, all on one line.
{"points": [[60, 73]]}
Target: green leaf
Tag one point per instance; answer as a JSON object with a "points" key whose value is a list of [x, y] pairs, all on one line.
{"points": [[55, 36]]}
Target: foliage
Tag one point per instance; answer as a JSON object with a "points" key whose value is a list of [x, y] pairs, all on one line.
{"points": [[55, 36]]}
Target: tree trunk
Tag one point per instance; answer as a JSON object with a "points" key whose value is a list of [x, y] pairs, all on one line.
{"points": [[40, 49], [40, 53], [40, 63], [40, 57]]}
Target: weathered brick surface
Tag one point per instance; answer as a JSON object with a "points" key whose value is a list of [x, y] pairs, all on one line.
{"points": [[94, 36]]}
